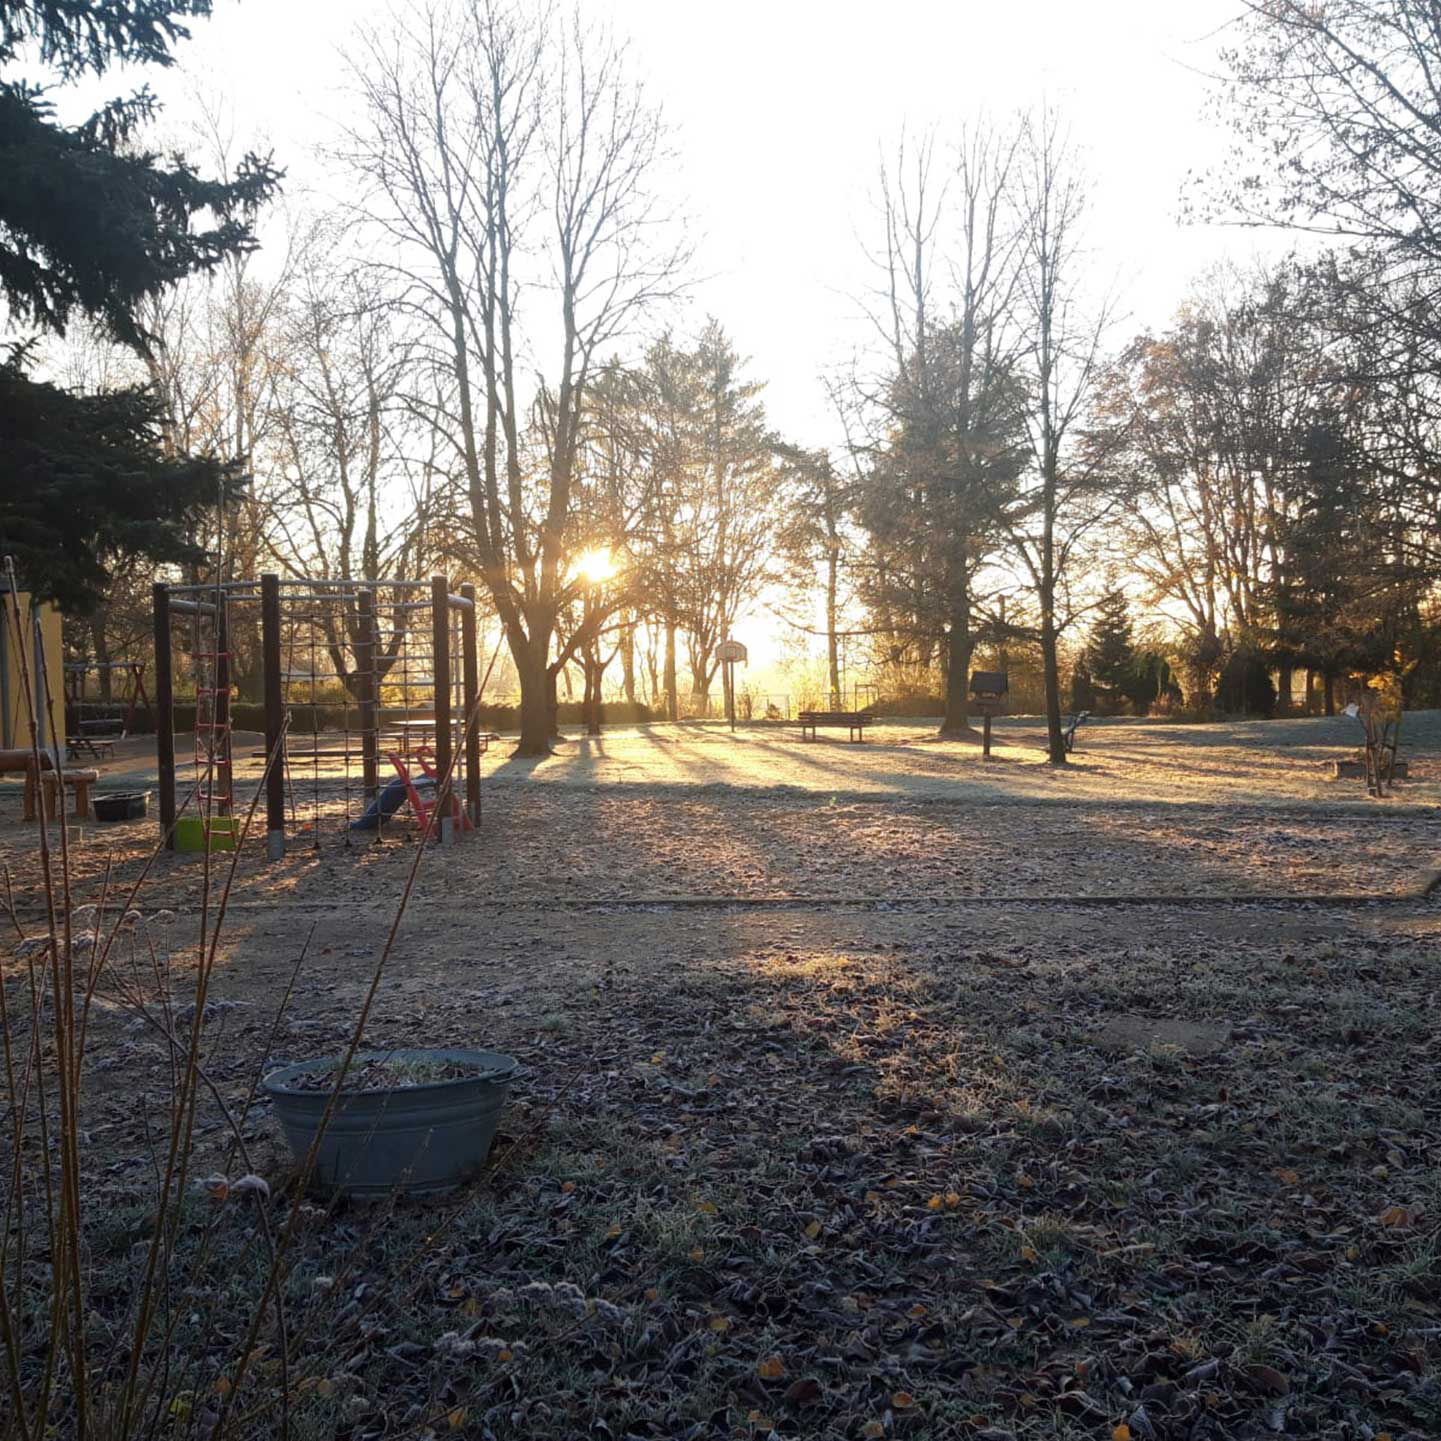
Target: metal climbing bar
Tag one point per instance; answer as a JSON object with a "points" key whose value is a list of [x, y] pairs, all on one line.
{"points": [[349, 670]]}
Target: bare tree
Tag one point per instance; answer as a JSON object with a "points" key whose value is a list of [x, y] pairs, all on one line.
{"points": [[508, 160], [939, 432], [1210, 420], [1061, 498], [1335, 109], [351, 497]]}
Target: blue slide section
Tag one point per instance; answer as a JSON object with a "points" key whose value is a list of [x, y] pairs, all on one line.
{"points": [[388, 800]]}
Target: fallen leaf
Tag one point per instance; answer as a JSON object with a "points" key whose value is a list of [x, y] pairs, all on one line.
{"points": [[1269, 1378], [903, 1400], [804, 1392], [771, 1369]]}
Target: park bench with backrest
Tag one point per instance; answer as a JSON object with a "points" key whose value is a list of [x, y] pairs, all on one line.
{"points": [[855, 722], [1073, 724]]}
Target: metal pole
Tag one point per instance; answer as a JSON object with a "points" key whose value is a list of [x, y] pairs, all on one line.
{"points": [[369, 694], [274, 716], [440, 675], [164, 713], [472, 697]]}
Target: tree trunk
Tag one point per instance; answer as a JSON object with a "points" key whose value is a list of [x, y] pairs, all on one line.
{"points": [[535, 691], [1285, 678], [700, 691], [833, 650], [102, 655], [1051, 669], [959, 647], [627, 662], [1328, 682], [552, 703], [594, 671], [672, 700]]}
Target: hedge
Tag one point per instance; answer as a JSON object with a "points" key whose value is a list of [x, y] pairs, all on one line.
{"points": [[305, 719]]}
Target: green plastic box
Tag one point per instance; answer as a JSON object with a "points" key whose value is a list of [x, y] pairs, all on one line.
{"points": [[190, 833]]}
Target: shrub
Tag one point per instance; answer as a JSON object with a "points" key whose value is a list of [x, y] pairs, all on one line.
{"points": [[1245, 686]]}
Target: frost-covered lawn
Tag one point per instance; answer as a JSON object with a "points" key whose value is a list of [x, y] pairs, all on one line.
{"points": [[1258, 763]]}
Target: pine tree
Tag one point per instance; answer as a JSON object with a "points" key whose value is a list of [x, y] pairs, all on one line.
{"points": [[91, 225], [1110, 654]]}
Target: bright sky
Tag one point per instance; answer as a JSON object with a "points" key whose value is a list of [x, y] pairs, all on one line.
{"points": [[780, 109]]}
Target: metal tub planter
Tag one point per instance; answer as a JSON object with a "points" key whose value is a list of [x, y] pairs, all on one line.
{"points": [[415, 1121]]}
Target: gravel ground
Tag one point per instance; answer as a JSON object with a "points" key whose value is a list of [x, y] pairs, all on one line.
{"points": [[668, 811]]}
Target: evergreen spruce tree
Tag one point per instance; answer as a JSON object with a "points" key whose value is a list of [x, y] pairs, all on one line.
{"points": [[1330, 614], [1110, 654], [92, 225]]}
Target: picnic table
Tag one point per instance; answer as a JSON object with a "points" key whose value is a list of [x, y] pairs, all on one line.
{"points": [[94, 738], [413, 734], [855, 722]]}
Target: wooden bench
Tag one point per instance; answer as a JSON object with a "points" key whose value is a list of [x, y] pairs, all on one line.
{"points": [[855, 721]]}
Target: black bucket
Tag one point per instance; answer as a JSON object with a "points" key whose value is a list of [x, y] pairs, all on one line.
{"points": [[131, 806]]}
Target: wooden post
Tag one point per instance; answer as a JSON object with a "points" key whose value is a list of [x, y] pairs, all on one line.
{"points": [[986, 736], [369, 697], [274, 690], [223, 771], [164, 713], [440, 675], [469, 624]]}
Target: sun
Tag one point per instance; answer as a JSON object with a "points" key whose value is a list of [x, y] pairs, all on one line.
{"points": [[595, 565]]}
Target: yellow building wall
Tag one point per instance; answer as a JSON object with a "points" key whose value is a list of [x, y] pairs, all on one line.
{"points": [[14, 722]]}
